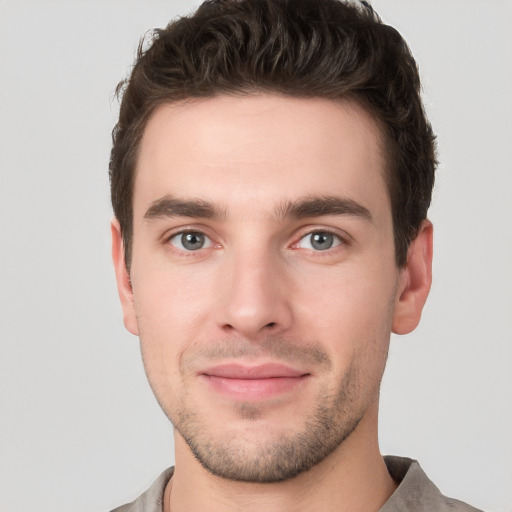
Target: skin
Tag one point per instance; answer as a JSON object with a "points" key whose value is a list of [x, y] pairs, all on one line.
{"points": [[250, 174]]}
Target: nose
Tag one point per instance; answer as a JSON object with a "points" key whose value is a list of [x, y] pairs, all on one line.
{"points": [[254, 298]]}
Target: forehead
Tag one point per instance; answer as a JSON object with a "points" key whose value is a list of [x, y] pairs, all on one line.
{"points": [[254, 150]]}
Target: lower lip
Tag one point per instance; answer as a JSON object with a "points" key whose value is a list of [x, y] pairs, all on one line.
{"points": [[254, 389]]}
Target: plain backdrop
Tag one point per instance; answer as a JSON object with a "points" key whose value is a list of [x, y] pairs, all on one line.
{"points": [[79, 427]]}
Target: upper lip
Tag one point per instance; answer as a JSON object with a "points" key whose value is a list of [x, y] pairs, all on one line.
{"points": [[260, 371]]}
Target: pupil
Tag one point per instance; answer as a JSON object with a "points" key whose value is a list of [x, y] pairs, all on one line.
{"points": [[322, 241], [192, 241]]}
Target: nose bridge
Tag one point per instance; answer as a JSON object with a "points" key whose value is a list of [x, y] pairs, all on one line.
{"points": [[254, 293]]}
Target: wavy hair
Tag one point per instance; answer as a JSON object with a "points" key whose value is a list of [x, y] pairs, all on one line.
{"points": [[329, 49]]}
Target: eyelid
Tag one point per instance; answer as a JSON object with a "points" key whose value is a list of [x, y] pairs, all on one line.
{"points": [[343, 237], [187, 228], [178, 236], [178, 231]]}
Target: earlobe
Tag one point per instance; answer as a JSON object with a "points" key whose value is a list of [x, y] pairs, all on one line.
{"points": [[414, 282], [124, 286]]}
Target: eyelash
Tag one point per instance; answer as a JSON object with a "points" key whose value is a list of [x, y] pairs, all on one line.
{"points": [[338, 241], [168, 239]]}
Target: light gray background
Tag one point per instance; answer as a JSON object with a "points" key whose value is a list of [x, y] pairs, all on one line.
{"points": [[79, 427]]}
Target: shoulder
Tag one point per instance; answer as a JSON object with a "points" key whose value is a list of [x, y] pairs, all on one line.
{"points": [[416, 492], [152, 499]]}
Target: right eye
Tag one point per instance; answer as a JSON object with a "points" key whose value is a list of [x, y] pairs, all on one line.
{"points": [[190, 241]]}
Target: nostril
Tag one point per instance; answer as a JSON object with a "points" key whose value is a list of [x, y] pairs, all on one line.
{"points": [[271, 324]]}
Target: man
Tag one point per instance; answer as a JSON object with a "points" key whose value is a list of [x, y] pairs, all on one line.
{"points": [[271, 173]]}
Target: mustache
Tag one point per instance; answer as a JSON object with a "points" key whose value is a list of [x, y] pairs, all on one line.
{"points": [[275, 348]]}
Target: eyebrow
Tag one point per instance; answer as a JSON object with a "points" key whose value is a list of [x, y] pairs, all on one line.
{"points": [[323, 205], [169, 206]]}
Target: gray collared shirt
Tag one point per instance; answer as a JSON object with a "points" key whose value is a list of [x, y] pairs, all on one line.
{"points": [[415, 492]]}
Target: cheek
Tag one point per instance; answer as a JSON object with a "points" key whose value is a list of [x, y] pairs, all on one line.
{"points": [[166, 315], [174, 308], [167, 298], [350, 311]]}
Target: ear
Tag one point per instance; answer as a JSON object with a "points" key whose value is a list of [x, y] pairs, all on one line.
{"points": [[414, 282], [124, 285]]}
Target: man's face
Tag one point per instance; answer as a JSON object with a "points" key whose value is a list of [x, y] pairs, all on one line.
{"points": [[263, 279]]}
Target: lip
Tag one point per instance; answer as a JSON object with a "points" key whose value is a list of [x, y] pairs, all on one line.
{"points": [[252, 383]]}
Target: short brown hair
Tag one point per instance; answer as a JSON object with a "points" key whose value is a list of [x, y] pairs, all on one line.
{"points": [[303, 48]]}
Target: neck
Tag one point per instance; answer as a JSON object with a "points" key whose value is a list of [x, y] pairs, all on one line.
{"points": [[353, 478]]}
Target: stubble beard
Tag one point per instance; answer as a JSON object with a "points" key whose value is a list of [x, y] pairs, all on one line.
{"points": [[281, 457]]}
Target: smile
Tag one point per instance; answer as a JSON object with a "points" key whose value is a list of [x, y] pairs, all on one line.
{"points": [[253, 383]]}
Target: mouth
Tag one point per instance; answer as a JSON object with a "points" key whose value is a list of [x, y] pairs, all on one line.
{"points": [[253, 383]]}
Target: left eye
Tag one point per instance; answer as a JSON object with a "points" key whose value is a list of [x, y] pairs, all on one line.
{"points": [[319, 241], [190, 241]]}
